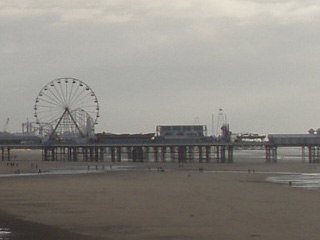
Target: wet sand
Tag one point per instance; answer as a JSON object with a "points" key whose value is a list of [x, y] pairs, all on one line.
{"points": [[27, 230], [179, 203]]}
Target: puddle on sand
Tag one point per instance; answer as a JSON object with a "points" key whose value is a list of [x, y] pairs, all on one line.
{"points": [[4, 234]]}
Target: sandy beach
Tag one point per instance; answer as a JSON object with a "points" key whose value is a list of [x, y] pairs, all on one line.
{"points": [[223, 201]]}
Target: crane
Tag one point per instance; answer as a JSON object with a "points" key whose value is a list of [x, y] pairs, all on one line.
{"points": [[5, 127]]}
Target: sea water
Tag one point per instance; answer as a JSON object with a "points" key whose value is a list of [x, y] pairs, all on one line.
{"points": [[71, 170], [309, 181], [284, 154]]}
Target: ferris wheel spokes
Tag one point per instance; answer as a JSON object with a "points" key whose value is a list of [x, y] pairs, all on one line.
{"points": [[66, 107], [51, 137]]}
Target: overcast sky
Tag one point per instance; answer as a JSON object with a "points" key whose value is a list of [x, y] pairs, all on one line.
{"points": [[167, 62]]}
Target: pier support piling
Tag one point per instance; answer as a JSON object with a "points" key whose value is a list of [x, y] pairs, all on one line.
{"points": [[271, 154]]}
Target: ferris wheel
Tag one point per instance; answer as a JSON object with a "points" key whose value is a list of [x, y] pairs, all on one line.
{"points": [[66, 108]]}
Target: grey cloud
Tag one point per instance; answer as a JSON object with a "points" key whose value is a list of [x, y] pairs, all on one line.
{"points": [[151, 63]]}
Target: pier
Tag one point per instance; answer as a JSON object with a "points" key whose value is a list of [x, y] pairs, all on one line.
{"points": [[220, 153], [180, 153], [186, 152]]}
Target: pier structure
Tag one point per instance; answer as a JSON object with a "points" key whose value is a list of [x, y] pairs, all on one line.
{"points": [[5, 153], [271, 153], [310, 153], [194, 152], [181, 153], [310, 141]]}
